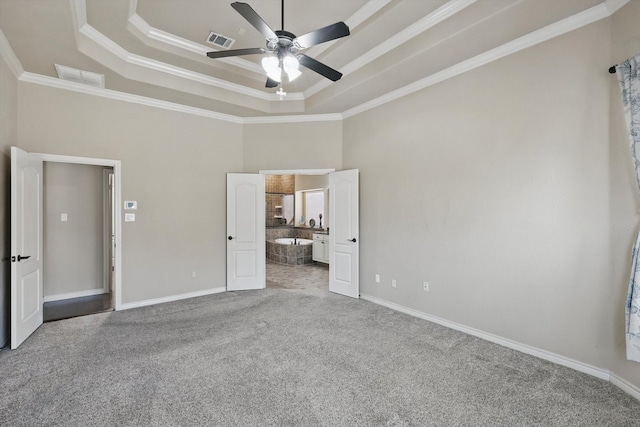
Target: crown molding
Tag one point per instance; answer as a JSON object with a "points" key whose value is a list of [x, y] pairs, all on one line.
{"points": [[305, 118], [614, 5], [9, 56], [127, 97], [442, 13], [79, 12], [369, 9], [581, 19]]}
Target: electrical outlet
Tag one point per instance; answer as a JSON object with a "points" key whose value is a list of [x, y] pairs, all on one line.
{"points": [[393, 283], [425, 286], [377, 278]]}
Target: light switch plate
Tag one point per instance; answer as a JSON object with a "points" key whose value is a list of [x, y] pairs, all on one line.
{"points": [[129, 217], [63, 217], [131, 204]]}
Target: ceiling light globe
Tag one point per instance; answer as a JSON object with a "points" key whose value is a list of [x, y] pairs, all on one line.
{"points": [[271, 65], [290, 63]]}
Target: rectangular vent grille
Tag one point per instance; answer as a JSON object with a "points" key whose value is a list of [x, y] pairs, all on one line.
{"points": [[220, 40], [80, 76]]}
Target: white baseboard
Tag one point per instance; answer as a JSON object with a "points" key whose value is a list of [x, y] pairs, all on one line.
{"points": [[144, 303], [533, 351], [625, 386], [77, 294]]}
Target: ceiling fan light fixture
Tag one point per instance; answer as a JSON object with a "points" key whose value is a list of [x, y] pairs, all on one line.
{"points": [[283, 47], [291, 66], [271, 65], [275, 74]]}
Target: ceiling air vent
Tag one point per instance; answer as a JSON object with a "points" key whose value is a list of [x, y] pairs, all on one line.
{"points": [[220, 40], [80, 76]]}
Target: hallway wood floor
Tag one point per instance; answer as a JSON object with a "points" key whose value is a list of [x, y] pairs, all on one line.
{"points": [[74, 307]]}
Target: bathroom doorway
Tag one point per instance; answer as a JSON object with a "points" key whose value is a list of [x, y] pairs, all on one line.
{"points": [[247, 237], [296, 218]]}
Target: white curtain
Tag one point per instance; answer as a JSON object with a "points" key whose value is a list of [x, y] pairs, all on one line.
{"points": [[629, 80]]}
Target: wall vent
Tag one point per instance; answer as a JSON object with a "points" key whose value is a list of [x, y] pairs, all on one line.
{"points": [[220, 40], [80, 76]]}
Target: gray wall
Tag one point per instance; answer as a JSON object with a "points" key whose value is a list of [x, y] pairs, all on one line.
{"points": [[493, 186], [173, 164], [73, 249], [286, 146], [8, 137], [624, 194]]}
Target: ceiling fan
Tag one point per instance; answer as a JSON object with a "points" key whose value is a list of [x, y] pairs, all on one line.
{"points": [[283, 48]]}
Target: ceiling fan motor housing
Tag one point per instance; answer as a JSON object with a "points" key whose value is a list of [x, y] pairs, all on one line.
{"points": [[284, 45]]}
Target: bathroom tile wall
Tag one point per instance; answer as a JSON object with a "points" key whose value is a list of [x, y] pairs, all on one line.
{"points": [[277, 209], [300, 233], [280, 184], [280, 191], [278, 233]]}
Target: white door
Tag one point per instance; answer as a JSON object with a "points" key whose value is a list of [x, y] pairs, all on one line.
{"points": [[26, 245], [344, 237], [245, 232]]}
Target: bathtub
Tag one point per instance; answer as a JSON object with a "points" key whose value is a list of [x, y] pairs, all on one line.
{"points": [[290, 241], [283, 251]]}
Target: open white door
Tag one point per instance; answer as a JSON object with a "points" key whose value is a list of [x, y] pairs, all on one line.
{"points": [[26, 245], [246, 256], [344, 237]]}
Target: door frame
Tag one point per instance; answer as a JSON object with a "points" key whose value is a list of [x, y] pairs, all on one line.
{"points": [[108, 228], [293, 172], [117, 210]]}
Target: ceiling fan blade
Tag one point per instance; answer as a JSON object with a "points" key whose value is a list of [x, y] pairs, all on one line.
{"points": [[236, 52], [328, 33], [254, 19], [271, 83], [319, 67]]}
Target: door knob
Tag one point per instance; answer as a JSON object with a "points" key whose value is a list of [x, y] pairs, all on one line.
{"points": [[20, 257], [352, 240], [230, 238]]}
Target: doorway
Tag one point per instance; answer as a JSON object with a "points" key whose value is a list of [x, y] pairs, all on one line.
{"points": [[342, 226], [246, 243], [78, 225], [27, 212], [295, 234]]}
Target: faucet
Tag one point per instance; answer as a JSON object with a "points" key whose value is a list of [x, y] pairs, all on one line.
{"points": [[295, 240]]}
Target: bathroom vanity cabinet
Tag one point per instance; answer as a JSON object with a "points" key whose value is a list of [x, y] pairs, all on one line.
{"points": [[321, 247]]}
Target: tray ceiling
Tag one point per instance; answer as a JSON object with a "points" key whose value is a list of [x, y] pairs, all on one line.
{"points": [[156, 49]]}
